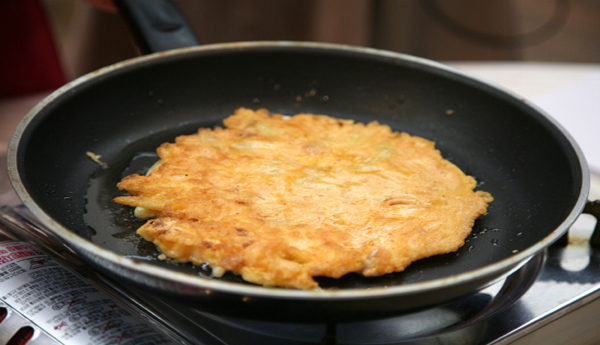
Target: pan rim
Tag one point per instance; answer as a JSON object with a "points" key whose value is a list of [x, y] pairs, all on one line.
{"points": [[497, 269]]}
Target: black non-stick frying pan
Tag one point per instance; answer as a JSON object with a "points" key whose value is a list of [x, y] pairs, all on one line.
{"points": [[532, 167]]}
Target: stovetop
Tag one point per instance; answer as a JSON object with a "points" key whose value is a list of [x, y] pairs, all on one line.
{"points": [[551, 285], [552, 299]]}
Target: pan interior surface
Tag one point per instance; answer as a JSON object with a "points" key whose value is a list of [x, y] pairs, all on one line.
{"points": [[524, 160]]}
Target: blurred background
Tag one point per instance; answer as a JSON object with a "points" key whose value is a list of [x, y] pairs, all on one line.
{"points": [[87, 36]]}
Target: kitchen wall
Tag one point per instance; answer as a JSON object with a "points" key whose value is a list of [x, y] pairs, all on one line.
{"points": [[531, 30]]}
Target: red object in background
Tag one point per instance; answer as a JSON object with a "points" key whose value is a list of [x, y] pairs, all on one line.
{"points": [[28, 58]]}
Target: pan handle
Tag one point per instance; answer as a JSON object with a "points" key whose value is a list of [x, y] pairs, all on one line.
{"points": [[157, 25]]}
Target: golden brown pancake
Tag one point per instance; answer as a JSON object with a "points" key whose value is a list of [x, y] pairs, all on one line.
{"points": [[280, 200]]}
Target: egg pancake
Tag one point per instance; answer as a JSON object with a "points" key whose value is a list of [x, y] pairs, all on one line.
{"points": [[280, 200]]}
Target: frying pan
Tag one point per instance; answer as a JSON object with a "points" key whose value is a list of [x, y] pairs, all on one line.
{"points": [[528, 162]]}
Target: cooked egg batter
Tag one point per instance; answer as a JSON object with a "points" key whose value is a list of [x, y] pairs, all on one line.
{"points": [[280, 200]]}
